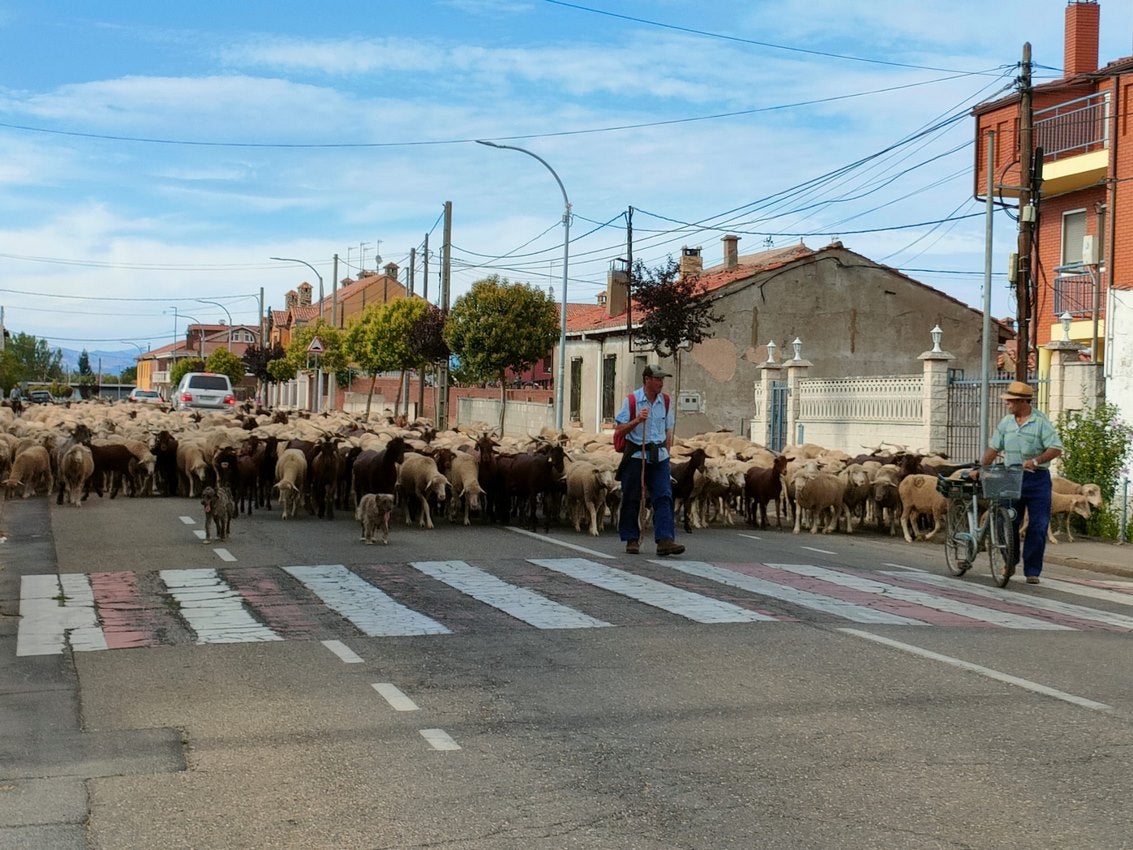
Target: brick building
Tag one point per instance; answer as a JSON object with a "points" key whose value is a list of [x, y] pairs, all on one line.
{"points": [[1083, 260]]}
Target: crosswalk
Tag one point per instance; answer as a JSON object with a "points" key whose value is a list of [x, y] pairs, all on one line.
{"points": [[124, 610]]}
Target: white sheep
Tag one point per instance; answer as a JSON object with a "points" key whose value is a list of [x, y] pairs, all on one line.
{"points": [[290, 478], [919, 496], [31, 467], [75, 467], [464, 476], [818, 494], [417, 480]]}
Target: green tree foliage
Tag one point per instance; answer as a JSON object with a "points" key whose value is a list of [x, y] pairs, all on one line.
{"points": [[84, 364], [129, 375], [675, 311], [224, 362], [182, 367], [256, 360], [1097, 445], [499, 326], [427, 338], [381, 339], [333, 357], [31, 360]]}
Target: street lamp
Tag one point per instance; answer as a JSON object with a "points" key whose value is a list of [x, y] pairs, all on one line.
{"points": [[229, 315], [560, 377], [312, 268]]}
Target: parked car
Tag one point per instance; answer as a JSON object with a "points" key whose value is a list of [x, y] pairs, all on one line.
{"points": [[208, 390], [40, 397], [145, 396]]}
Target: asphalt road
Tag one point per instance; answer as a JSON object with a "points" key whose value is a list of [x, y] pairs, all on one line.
{"points": [[489, 688]]}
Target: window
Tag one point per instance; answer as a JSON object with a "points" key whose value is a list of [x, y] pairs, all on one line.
{"points": [[576, 389], [609, 373], [1073, 229]]}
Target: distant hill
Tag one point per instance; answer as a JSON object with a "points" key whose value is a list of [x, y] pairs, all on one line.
{"points": [[113, 362]]}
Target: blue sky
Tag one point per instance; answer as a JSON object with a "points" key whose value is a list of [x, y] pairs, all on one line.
{"points": [[152, 153]]}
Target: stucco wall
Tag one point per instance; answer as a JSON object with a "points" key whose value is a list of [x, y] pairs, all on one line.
{"points": [[1119, 369]]}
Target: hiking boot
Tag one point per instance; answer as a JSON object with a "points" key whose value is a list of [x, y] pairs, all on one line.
{"points": [[632, 547], [668, 547]]}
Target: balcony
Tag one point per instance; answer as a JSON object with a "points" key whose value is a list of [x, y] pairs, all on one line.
{"points": [[1074, 137], [1074, 293]]}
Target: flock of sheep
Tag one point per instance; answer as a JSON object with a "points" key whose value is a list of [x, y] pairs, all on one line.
{"points": [[72, 449]]}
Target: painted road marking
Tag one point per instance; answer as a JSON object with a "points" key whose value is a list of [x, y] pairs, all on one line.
{"points": [[212, 609], [188, 520], [684, 603], [563, 543], [372, 611], [525, 605], [893, 594], [820, 551], [1030, 601], [54, 611], [393, 695], [739, 576], [439, 739], [344, 652], [981, 670]]}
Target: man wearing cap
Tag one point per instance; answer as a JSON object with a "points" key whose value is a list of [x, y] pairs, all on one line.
{"points": [[649, 437], [1025, 437]]}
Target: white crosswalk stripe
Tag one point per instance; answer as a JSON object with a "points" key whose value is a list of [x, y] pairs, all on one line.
{"points": [[55, 610], [802, 598], [698, 608], [212, 609], [525, 605], [1004, 619], [374, 612]]}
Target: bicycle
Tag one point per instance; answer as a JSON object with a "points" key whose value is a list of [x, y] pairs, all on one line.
{"points": [[967, 534]]}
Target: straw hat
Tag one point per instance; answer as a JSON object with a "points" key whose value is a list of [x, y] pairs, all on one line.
{"points": [[1018, 390]]}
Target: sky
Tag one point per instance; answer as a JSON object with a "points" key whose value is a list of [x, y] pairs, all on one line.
{"points": [[154, 156]]}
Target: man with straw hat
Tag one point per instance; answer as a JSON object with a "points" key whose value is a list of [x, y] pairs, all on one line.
{"points": [[648, 430], [1025, 437]]}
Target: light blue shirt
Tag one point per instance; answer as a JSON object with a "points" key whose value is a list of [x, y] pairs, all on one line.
{"points": [[1018, 442], [655, 427]]}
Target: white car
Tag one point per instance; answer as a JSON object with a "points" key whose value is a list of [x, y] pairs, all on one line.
{"points": [[141, 396], [207, 390]]}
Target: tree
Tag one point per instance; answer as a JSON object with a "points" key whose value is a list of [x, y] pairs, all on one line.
{"points": [[183, 367], [257, 360], [84, 364], [499, 326], [297, 359], [129, 375], [676, 313], [31, 360], [224, 362], [87, 379]]}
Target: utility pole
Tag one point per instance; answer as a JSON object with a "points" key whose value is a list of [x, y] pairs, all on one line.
{"points": [[629, 285], [1028, 213], [425, 295], [446, 272]]}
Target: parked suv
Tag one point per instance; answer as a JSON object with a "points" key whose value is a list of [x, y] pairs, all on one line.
{"points": [[207, 390], [41, 397]]}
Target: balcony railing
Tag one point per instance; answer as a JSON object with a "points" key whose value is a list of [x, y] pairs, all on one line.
{"points": [[1075, 127], [1074, 294]]}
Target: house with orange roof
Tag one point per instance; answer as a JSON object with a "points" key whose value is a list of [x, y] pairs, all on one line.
{"points": [[851, 316], [1082, 263], [154, 366]]}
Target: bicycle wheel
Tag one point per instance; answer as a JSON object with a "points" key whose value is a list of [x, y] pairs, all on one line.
{"points": [[956, 547], [1002, 544]]}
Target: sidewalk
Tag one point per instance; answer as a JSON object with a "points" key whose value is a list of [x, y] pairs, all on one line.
{"points": [[1101, 556]]}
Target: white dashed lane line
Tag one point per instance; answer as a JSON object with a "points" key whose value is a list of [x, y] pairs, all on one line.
{"points": [[345, 653], [439, 739], [394, 696]]}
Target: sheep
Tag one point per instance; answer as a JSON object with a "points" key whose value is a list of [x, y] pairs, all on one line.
{"points": [[887, 497], [819, 493], [464, 476], [75, 467], [290, 477], [417, 480], [858, 491], [31, 467], [586, 488], [761, 485], [373, 512], [919, 496], [1064, 505], [192, 465]]}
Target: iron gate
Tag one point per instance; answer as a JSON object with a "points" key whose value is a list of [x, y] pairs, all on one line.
{"points": [[964, 412], [777, 417]]}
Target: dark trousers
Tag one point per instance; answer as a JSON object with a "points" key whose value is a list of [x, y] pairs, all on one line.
{"points": [[1035, 500], [660, 488]]}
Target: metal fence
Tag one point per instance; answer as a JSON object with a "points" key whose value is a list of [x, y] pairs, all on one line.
{"points": [[964, 412]]}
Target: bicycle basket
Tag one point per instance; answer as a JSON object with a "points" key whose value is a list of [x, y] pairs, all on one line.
{"points": [[954, 488], [1001, 482]]}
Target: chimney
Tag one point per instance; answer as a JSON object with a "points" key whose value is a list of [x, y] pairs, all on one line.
{"points": [[1080, 55], [391, 270], [731, 251], [304, 294], [691, 261], [291, 299], [617, 291]]}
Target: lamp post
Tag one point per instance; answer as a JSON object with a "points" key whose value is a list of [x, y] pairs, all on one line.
{"points": [[560, 376], [312, 268], [229, 315], [319, 368]]}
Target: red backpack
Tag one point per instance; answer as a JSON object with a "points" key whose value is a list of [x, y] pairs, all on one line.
{"points": [[620, 442]]}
